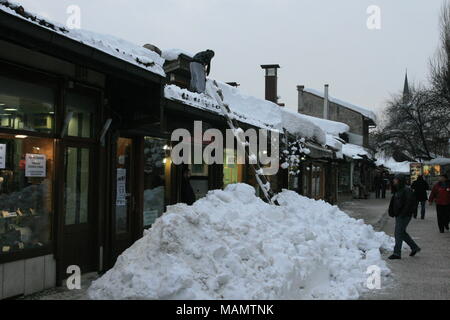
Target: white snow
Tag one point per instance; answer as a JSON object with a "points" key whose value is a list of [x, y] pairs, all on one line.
{"points": [[331, 127], [111, 45], [334, 143], [173, 54], [232, 245], [248, 109], [393, 166], [439, 161], [355, 151], [362, 110]]}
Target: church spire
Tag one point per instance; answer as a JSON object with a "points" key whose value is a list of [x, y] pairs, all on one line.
{"points": [[406, 92]]}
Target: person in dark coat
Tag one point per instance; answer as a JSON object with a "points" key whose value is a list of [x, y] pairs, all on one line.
{"points": [[200, 62], [377, 186], [420, 187], [402, 207], [187, 192], [384, 184], [441, 195]]}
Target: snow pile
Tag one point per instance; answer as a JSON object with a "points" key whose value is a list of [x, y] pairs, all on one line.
{"points": [[364, 111], [113, 46], [173, 54], [232, 245]]}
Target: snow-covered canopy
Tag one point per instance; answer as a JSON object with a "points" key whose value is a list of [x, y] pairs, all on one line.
{"points": [[362, 110], [330, 127], [355, 151], [439, 161], [393, 166], [248, 109], [121, 49], [173, 54]]}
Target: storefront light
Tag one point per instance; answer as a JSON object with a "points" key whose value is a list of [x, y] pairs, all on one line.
{"points": [[166, 147], [164, 160], [21, 136], [10, 109]]}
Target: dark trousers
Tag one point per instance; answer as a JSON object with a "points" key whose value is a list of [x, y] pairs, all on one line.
{"points": [[383, 193], [443, 216], [377, 192], [401, 223], [422, 209]]}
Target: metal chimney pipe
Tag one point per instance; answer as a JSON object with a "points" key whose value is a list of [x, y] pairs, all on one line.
{"points": [[301, 103], [325, 102]]}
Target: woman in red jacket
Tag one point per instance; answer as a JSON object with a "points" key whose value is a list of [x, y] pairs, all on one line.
{"points": [[441, 195]]}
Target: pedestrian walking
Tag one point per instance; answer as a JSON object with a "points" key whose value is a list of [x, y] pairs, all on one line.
{"points": [[187, 192], [377, 185], [401, 207], [384, 184], [441, 195], [200, 68], [420, 187]]}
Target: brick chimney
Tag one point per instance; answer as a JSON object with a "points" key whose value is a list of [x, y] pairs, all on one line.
{"points": [[301, 102], [271, 81]]}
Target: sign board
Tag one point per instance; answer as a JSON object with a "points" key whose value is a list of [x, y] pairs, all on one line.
{"points": [[121, 182], [2, 156], [35, 165]]}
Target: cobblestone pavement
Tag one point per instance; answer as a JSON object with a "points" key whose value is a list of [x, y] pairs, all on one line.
{"points": [[372, 211], [425, 276]]}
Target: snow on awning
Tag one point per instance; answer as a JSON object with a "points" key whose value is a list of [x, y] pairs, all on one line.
{"points": [[355, 152], [111, 45], [330, 127], [439, 161], [173, 54], [297, 123], [393, 166], [363, 111]]}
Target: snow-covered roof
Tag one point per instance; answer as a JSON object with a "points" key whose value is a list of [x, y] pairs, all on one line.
{"points": [[119, 48], [354, 151], [439, 161], [248, 109], [393, 166], [173, 54], [362, 110], [330, 127]]}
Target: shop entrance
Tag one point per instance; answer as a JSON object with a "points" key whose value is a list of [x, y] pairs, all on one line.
{"points": [[79, 218], [125, 202]]}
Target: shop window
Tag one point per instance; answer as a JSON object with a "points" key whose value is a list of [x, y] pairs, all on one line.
{"points": [[76, 185], [82, 121], [26, 182], [232, 172], [26, 106], [155, 166]]}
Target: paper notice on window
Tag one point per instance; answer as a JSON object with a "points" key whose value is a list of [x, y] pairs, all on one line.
{"points": [[35, 165], [121, 182], [2, 156]]}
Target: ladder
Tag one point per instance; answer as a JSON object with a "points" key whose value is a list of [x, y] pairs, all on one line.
{"points": [[261, 179]]}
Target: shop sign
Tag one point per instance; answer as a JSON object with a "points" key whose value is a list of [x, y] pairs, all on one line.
{"points": [[35, 165], [121, 187], [2, 156]]}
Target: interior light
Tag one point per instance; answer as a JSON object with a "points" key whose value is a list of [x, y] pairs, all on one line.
{"points": [[10, 109], [21, 136]]}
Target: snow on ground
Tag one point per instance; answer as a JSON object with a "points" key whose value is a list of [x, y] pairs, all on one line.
{"points": [[111, 45], [232, 245]]}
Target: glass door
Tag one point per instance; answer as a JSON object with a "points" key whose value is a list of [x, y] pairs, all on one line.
{"points": [[79, 230]]}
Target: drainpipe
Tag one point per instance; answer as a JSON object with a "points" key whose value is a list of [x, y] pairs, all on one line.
{"points": [[325, 102]]}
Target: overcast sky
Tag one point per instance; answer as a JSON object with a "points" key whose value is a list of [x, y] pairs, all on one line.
{"points": [[314, 41]]}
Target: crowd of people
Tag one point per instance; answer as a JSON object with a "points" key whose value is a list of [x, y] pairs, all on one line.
{"points": [[404, 205]]}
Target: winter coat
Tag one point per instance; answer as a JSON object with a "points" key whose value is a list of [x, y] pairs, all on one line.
{"points": [[420, 188], [187, 193], [441, 193], [403, 203], [204, 58]]}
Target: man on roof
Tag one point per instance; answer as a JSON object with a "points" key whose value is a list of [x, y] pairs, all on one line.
{"points": [[200, 68]]}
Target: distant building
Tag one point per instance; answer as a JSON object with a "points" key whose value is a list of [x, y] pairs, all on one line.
{"points": [[313, 103]]}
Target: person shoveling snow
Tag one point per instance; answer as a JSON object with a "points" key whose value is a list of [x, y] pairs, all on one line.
{"points": [[233, 245]]}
